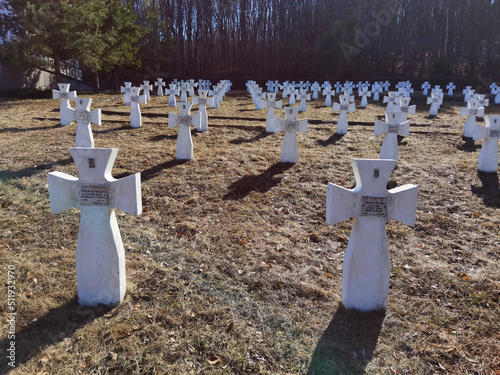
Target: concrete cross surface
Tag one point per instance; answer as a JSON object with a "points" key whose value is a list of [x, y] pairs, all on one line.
{"points": [[100, 257], [366, 271], [65, 95]]}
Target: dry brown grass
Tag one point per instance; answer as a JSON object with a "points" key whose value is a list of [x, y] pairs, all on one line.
{"points": [[232, 268]]}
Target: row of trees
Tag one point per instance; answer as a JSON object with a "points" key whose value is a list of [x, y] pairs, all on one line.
{"points": [[260, 38]]}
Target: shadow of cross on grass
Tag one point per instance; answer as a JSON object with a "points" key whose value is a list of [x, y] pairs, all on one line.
{"points": [[262, 182], [50, 329], [347, 344], [490, 191]]}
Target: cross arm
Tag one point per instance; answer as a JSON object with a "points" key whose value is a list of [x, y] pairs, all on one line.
{"points": [[63, 191], [278, 125], [404, 129], [279, 104], [403, 207], [196, 119], [303, 125], [125, 194], [336, 107], [173, 120], [95, 116], [340, 204], [480, 132], [380, 128], [351, 107], [412, 109]]}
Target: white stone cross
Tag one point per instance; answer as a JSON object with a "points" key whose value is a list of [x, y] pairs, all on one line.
{"points": [[159, 82], [292, 92], [496, 92], [146, 87], [377, 89], [315, 87], [192, 84], [391, 100], [472, 110], [65, 95], [135, 109], [405, 107], [184, 90], [290, 148], [386, 85], [468, 93], [202, 102], [125, 90], [483, 102], [84, 117], [304, 96], [173, 91], [184, 121], [492, 87], [450, 87], [257, 98], [364, 93], [100, 257], [366, 271], [488, 156], [337, 86], [328, 92], [425, 87], [395, 124], [345, 106], [271, 104], [435, 100]]}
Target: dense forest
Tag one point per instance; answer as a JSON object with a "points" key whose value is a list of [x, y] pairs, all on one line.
{"points": [[265, 38]]}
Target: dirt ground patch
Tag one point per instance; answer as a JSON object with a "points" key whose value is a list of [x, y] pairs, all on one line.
{"points": [[231, 267]]}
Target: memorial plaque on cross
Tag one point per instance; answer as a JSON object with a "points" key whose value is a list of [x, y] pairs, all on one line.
{"points": [[65, 95], [396, 124], [290, 148], [100, 257], [366, 271], [184, 120], [488, 156]]}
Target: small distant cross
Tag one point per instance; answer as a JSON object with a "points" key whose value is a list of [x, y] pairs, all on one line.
{"points": [[290, 149], [65, 95]]}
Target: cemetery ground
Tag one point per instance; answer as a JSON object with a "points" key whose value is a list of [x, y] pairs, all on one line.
{"points": [[231, 267]]}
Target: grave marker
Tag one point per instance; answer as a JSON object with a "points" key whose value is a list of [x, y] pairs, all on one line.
{"points": [[391, 100], [364, 93], [472, 110], [435, 100], [345, 106], [202, 102], [135, 109], [184, 120], [125, 90], [271, 103], [100, 257], [395, 125], [159, 82], [328, 92], [366, 271], [65, 111], [146, 87], [84, 117], [290, 149], [450, 87], [425, 87], [405, 107], [488, 156], [173, 90], [304, 96]]}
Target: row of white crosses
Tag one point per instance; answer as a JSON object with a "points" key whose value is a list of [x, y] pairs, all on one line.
{"points": [[100, 256], [83, 116]]}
